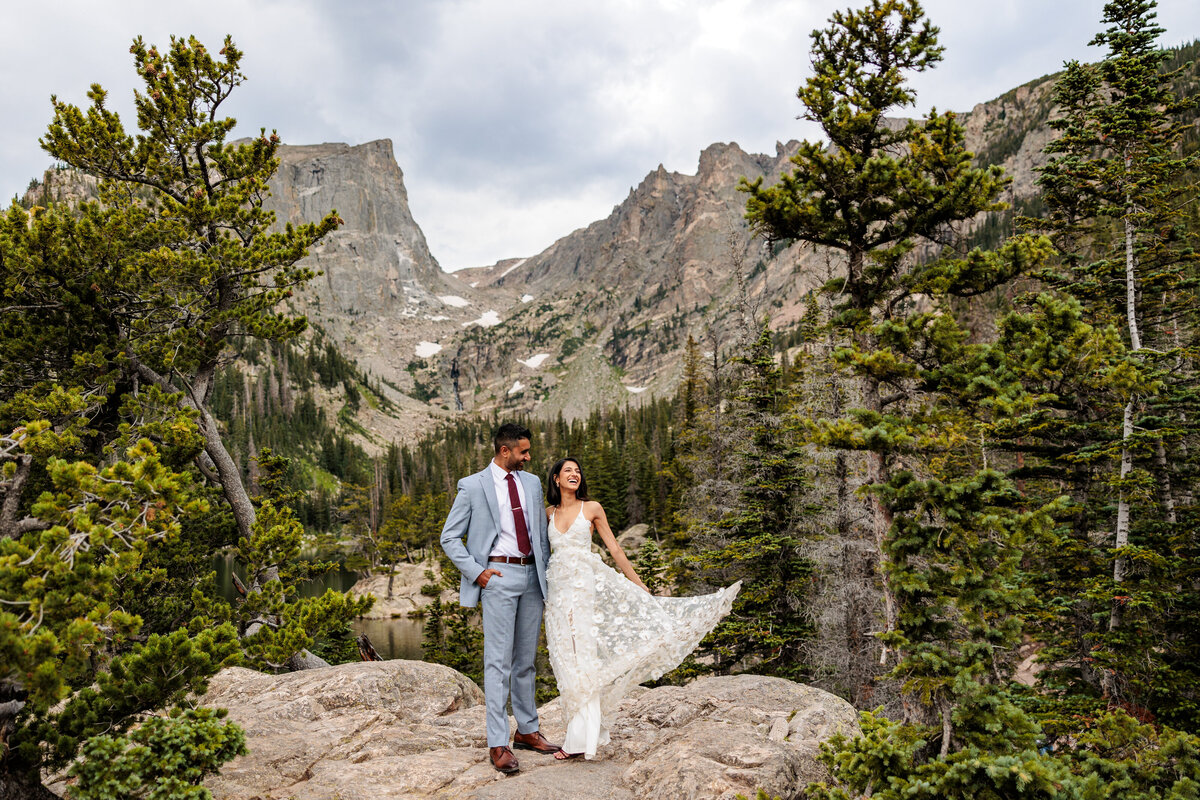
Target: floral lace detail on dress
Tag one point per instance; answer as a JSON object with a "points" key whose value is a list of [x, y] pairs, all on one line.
{"points": [[605, 634]]}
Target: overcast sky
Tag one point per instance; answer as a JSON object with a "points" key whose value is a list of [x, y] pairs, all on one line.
{"points": [[515, 122]]}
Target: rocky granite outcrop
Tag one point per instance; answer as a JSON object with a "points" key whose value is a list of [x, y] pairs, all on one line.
{"points": [[1013, 131], [632, 538], [62, 186], [406, 596], [408, 729]]}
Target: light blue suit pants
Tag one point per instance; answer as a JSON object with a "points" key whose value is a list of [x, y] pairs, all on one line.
{"points": [[512, 621]]}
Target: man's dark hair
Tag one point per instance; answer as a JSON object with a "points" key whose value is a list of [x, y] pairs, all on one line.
{"points": [[508, 434]]}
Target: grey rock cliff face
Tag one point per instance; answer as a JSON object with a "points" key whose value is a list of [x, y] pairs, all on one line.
{"points": [[670, 227], [612, 304], [1012, 131], [408, 729], [66, 186], [366, 186], [379, 294]]}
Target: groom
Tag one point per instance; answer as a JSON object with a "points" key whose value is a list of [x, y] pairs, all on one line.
{"points": [[503, 565]]}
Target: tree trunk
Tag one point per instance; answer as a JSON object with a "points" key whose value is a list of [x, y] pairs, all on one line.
{"points": [[1186, 496], [881, 520], [228, 473], [841, 471], [235, 493], [12, 496], [366, 650], [947, 728], [10, 526], [1166, 496], [401, 472], [1122, 536], [254, 470], [1135, 342], [1135, 337], [1166, 490]]}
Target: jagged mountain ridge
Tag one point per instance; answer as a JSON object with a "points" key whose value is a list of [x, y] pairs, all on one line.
{"points": [[378, 284], [601, 316], [612, 304], [664, 265], [559, 331]]}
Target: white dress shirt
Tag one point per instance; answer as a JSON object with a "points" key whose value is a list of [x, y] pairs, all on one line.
{"points": [[506, 542]]}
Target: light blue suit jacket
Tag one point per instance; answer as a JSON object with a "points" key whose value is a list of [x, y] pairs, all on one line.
{"points": [[475, 515]]}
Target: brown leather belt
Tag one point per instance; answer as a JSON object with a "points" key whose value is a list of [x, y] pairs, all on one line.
{"points": [[512, 559]]}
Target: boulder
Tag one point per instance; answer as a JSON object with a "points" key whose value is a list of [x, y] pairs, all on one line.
{"points": [[378, 726], [410, 729], [406, 591], [632, 538]]}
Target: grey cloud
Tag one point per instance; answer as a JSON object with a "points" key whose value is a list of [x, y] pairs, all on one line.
{"points": [[516, 122]]}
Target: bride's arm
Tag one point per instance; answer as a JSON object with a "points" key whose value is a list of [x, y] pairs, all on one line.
{"points": [[610, 541]]}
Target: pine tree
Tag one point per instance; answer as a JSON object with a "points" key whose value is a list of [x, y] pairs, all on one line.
{"points": [[760, 540], [650, 565], [452, 634], [74, 663], [188, 265], [949, 528], [165, 758], [199, 263], [1117, 189], [873, 191]]}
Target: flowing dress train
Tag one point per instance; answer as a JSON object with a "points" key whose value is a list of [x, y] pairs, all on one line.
{"points": [[605, 634]]}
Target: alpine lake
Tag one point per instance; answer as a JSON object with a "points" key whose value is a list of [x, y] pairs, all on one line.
{"points": [[392, 638]]}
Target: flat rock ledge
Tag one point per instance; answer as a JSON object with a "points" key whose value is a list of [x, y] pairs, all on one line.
{"points": [[410, 729]]}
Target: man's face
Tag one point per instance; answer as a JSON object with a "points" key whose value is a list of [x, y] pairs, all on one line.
{"points": [[514, 458]]}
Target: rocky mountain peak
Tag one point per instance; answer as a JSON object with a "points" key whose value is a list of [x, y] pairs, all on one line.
{"points": [[381, 293], [61, 185], [366, 186], [1012, 131], [719, 159], [602, 315]]}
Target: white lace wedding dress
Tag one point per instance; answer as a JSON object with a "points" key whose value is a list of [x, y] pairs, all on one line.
{"points": [[605, 634]]}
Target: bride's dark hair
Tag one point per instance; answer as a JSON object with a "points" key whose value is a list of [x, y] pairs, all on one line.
{"points": [[553, 495]]}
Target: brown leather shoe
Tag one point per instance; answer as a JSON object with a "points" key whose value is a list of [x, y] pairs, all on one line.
{"points": [[534, 741], [504, 760]]}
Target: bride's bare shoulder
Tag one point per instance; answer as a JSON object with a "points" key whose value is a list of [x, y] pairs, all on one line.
{"points": [[592, 509]]}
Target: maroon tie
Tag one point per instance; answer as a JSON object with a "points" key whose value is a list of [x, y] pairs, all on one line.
{"points": [[514, 500]]}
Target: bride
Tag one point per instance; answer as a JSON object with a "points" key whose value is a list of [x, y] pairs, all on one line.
{"points": [[605, 631]]}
